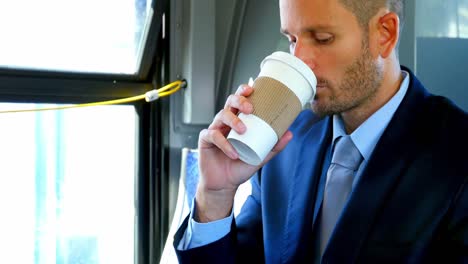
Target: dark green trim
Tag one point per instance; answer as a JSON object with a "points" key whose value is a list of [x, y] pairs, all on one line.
{"points": [[66, 90]]}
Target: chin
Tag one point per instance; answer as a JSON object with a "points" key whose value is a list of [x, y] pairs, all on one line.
{"points": [[319, 109]]}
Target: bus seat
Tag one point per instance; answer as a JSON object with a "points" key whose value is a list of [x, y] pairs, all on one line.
{"points": [[187, 187]]}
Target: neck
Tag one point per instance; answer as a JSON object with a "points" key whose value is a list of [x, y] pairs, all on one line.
{"points": [[390, 85]]}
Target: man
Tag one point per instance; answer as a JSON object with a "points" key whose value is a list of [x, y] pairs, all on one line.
{"points": [[407, 200]]}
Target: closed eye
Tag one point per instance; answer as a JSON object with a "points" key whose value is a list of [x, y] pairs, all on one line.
{"points": [[325, 40]]}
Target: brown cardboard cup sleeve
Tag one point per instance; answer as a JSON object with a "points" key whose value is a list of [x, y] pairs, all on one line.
{"points": [[285, 84]]}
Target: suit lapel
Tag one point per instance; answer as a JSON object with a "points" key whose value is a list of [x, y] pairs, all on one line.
{"points": [[388, 162], [320, 188], [303, 191]]}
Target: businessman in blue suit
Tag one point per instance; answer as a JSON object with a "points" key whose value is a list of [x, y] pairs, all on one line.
{"points": [[407, 200]]}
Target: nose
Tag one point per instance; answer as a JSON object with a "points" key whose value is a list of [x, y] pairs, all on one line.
{"points": [[304, 52]]}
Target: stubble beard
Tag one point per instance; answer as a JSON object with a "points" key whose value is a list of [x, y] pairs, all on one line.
{"points": [[361, 81]]}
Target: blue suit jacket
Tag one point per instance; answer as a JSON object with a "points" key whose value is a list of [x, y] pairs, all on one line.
{"points": [[410, 205]]}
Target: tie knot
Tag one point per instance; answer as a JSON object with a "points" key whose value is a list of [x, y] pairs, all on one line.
{"points": [[346, 154]]}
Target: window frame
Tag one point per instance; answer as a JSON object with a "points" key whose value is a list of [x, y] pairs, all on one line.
{"points": [[151, 173]]}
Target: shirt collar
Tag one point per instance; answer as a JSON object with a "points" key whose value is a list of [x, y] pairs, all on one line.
{"points": [[366, 136]]}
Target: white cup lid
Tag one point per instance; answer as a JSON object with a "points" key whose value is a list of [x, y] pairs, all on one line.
{"points": [[295, 63]]}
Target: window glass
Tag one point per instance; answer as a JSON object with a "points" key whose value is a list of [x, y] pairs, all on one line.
{"points": [[435, 18], [67, 184], [441, 47], [101, 36]]}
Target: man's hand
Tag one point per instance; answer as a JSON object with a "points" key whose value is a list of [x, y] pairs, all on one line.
{"points": [[221, 171]]}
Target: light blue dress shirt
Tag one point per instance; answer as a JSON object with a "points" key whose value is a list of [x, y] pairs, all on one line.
{"points": [[365, 137]]}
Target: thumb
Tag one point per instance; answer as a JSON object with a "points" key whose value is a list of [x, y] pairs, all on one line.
{"points": [[282, 142]]}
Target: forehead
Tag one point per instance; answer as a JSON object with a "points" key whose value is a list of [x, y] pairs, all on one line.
{"points": [[300, 14]]}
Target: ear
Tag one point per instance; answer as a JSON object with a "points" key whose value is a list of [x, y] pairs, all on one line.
{"points": [[389, 33]]}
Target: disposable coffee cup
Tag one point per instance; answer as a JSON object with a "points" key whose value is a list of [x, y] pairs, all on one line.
{"points": [[281, 90]]}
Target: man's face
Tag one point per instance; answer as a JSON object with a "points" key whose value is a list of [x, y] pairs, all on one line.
{"points": [[327, 37]]}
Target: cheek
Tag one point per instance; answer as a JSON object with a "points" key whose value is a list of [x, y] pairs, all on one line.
{"points": [[348, 52], [333, 61]]}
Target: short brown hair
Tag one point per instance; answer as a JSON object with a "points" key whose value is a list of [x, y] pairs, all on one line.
{"points": [[366, 9]]}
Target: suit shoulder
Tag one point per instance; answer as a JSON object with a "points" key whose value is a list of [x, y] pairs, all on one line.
{"points": [[304, 122], [444, 131], [449, 118]]}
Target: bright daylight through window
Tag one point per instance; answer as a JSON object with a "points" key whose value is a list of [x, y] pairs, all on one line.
{"points": [[102, 36], [67, 181]]}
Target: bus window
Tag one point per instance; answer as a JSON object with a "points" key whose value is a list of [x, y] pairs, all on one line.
{"points": [[67, 185], [74, 36]]}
